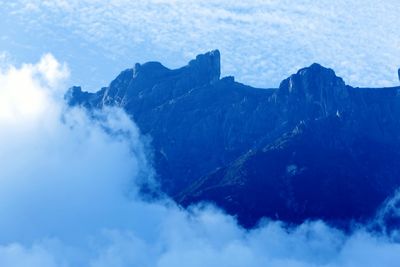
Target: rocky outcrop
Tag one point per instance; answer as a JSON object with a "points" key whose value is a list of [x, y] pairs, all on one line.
{"points": [[312, 93], [398, 73]]}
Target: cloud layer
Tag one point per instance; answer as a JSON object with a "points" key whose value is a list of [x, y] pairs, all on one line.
{"points": [[262, 41], [68, 197]]}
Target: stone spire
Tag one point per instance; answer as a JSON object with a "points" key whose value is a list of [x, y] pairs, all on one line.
{"points": [[208, 65]]}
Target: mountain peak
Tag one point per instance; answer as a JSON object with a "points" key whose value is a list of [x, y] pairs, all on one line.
{"points": [[208, 64], [151, 67], [317, 72], [311, 80], [313, 91]]}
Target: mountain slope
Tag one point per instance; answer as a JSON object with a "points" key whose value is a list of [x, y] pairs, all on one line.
{"points": [[314, 172]]}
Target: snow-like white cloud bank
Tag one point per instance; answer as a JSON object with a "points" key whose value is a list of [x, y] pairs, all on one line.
{"points": [[262, 41], [68, 197]]}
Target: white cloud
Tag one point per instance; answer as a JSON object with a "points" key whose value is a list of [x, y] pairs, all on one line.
{"points": [[26, 101], [261, 41], [68, 198], [51, 70], [16, 255]]}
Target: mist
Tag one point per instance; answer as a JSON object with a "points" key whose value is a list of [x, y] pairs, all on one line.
{"points": [[69, 196]]}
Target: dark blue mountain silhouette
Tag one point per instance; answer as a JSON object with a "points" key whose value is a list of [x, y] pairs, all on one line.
{"points": [[314, 148]]}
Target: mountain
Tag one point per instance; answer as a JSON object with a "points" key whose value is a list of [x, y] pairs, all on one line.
{"points": [[314, 148]]}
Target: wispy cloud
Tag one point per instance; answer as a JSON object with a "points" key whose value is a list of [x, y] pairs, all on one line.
{"points": [[261, 41]]}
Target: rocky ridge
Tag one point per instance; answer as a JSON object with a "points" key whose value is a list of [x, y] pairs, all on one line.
{"points": [[314, 148]]}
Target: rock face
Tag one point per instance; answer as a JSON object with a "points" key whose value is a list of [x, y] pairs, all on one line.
{"points": [[314, 148], [312, 93]]}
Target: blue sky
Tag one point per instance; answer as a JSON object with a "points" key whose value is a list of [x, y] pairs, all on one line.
{"points": [[261, 42]]}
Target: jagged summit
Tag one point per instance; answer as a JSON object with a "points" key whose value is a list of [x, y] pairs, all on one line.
{"points": [[209, 64], [311, 80], [316, 68], [150, 68], [317, 91], [154, 83], [313, 92], [206, 67]]}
